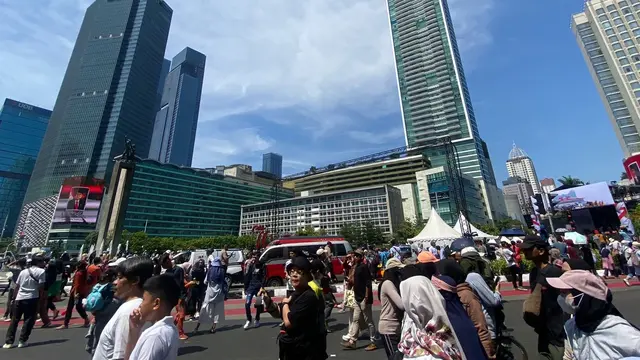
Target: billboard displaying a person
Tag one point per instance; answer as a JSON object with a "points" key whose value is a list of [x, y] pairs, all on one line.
{"points": [[77, 198], [78, 202]]}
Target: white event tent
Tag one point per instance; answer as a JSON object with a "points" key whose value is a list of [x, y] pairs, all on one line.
{"points": [[436, 230], [479, 233]]}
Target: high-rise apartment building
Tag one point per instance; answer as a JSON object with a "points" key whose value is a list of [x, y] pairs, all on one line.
{"points": [[433, 91], [548, 185], [608, 33], [520, 165], [174, 132], [22, 128], [519, 187], [108, 92], [272, 163]]}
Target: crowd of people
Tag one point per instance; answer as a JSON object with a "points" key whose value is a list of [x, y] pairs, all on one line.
{"points": [[435, 303]]}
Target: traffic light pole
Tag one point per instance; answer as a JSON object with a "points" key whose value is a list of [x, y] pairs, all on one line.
{"points": [[549, 208]]}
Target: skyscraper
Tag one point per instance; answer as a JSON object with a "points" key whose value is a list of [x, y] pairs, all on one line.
{"points": [[108, 92], [272, 163], [520, 165], [433, 91], [166, 66], [22, 128], [174, 132], [608, 33]]}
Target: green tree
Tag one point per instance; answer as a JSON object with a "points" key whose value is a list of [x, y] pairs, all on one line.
{"points": [[634, 216], [351, 233], [91, 239], [407, 230], [307, 231], [57, 248], [372, 234], [570, 181]]}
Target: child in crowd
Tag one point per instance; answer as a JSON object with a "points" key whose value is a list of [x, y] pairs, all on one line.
{"points": [[160, 341]]}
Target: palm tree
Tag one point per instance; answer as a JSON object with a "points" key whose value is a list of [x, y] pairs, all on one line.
{"points": [[570, 181]]}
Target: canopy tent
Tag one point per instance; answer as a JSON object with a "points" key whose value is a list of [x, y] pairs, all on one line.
{"points": [[436, 230], [479, 233]]}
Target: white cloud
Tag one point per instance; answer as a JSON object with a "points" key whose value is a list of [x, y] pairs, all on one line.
{"points": [[230, 146], [378, 137], [316, 56]]}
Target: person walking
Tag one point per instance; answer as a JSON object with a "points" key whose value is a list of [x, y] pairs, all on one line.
{"points": [[29, 289], [178, 274], [212, 310], [392, 309], [79, 291], [363, 294], [254, 281], [21, 264]]}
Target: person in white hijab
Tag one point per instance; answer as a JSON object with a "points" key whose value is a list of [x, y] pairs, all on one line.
{"points": [[426, 330]]}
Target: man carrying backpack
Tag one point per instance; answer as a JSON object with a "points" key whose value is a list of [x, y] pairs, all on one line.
{"points": [[102, 304]]}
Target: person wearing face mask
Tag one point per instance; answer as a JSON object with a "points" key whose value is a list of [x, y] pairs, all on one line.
{"points": [[597, 330]]}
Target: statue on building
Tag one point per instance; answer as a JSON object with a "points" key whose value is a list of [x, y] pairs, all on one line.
{"points": [[129, 153]]}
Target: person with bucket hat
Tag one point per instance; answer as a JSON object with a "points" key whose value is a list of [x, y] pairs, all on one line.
{"points": [[597, 329]]}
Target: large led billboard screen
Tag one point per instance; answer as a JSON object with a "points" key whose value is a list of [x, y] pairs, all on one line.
{"points": [[78, 203]]}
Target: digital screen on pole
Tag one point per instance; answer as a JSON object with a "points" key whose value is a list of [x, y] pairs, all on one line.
{"points": [[78, 204]]}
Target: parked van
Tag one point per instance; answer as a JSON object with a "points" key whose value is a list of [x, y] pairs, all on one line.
{"points": [[277, 253]]}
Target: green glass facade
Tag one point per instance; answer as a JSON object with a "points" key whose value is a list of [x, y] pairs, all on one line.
{"points": [[172, 201], [433, 91], [442, 200]]}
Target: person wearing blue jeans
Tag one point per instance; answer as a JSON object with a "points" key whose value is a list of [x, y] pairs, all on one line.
{"points": [[254, 281]]}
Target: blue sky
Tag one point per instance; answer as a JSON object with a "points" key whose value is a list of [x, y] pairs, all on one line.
{"points": [[314, 79]]}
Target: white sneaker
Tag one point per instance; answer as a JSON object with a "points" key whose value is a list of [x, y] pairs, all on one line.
{"points": [[22, 344], [247, 325], [197, 315], [345, 337], [7, 319], [256, 324], [626, 282], [7, 346]]}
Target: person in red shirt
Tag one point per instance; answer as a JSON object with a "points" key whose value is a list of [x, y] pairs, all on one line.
{"points": [[79, 291], [94, 272]]}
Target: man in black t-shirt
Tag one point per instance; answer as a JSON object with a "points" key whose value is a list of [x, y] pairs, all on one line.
{"points": [[363, 294], [550, 323], [178, 274]]}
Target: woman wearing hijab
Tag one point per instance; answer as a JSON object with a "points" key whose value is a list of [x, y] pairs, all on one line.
{"points": [[597, 330], [304, 336], [212, 310], [470, 302], [392, 310], [491, 302], [427, 333], [462, 324]]}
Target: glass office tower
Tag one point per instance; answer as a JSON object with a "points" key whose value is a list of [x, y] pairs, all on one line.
{"points": [[433, 91], [108, 92], [174, 132], [272, 163], [22, 128]]}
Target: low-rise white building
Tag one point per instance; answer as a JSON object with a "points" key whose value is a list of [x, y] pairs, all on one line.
{"points": [[328, 212]]}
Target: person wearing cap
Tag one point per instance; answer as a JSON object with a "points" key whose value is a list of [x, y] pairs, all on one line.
{"points": [[363, 294], [304, 335], [549, 321], [597, 329], [391, 307], [471, 261]]}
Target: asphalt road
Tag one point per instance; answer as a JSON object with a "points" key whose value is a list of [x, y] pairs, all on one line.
{"points": [[235, 343]]}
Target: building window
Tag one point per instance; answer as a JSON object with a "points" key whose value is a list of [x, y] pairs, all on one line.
{"points": [[620, 54], [632, 50], [631, 77], [600, 11], [611, 8], [616, 46]]}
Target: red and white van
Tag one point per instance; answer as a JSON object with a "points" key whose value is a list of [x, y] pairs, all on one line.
{"points": [[276, 254]]}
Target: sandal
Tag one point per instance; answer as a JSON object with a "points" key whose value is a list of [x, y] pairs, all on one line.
{"points": [[212, 330]]}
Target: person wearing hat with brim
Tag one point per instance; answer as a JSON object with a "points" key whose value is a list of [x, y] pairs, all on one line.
{"points": [[363, 293], [391, 307], [549, 320], [633, 262], [304, 335], [597, 329]]}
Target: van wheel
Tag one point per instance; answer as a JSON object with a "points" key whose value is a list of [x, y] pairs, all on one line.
{"points": [[275, 282]]}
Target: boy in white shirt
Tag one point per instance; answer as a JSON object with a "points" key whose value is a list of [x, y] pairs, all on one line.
{"points": [[132, 274], [160, 341]]}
